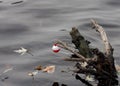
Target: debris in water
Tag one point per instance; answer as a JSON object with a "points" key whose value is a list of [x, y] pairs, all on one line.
{"points": [[32, 74], [49, 69], [4, 78], [22, 51], [6, 70], [55, 84], [39, 67], [17, 2], [63, 30], [9, 69]]}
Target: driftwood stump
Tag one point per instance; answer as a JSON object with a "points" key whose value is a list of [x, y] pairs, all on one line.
{"points": [[81, 44], [99, 64]]}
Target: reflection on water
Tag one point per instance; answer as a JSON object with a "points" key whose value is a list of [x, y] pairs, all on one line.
{"points": [[35, 24]]}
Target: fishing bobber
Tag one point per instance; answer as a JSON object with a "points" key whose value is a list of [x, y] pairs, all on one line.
{"points": [[55, 48]]}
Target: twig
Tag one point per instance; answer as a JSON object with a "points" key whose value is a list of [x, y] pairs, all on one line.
{"points": [[65, 46], [73, 59], [108, 51], [97, 27], [81, 57], [85, 71], [17, 2], [94, 59]]}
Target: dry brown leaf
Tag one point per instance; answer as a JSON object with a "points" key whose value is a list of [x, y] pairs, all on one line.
{"points": [[39, 67], [49, 69]]}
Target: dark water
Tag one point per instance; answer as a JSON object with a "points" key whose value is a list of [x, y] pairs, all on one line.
{"points": [[35, 24]]}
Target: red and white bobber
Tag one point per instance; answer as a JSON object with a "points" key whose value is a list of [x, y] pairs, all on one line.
{"points": [[55, 48]]}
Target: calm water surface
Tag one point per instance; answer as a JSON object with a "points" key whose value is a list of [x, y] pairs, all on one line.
{"points": [[35, 24]]}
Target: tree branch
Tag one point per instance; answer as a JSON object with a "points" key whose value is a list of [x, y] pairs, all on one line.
{"points": [[94, 59], [86, 71], [97, 27], [65, 46], [108, 47]]}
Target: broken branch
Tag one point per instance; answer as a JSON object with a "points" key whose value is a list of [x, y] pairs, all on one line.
{"points": [[97, 27], [65, 46]]}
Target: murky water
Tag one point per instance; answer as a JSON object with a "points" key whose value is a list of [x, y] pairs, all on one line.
{"points": [[35, 24]]}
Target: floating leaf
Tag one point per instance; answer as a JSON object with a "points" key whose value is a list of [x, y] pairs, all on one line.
{"points": [[22, 51], [33, 73], [49, 69], [39, 67]]}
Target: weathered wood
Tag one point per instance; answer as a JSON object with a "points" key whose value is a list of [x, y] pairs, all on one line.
{"points": [[65, 46], [108, 47], [88, 60], [81, 44], [100, 64], [106, 61]]}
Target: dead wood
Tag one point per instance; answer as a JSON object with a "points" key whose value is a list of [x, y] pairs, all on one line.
{"points": [[100, 64]]}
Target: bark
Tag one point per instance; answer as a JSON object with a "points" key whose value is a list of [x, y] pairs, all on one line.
{"points": [[81, 44]]}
